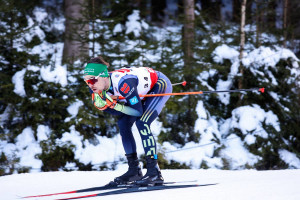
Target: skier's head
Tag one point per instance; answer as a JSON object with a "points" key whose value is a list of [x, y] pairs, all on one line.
{"points": [[96, 74], [97, 67]]}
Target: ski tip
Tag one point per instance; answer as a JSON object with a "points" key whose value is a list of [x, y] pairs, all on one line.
{"points": [[184, 83], [47, 195], [262, 90]]}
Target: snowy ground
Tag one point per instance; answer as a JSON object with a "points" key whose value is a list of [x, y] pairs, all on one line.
{"points": [[244, 184]]}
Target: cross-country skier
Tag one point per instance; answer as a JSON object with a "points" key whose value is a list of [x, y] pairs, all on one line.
{"points": [[129, 83]]}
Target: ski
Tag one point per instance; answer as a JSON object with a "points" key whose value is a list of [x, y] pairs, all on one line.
{"points": [[137, 189], [105, 187]]}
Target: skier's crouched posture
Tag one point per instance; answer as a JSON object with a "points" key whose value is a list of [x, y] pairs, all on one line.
{"points": [[106, 88]]}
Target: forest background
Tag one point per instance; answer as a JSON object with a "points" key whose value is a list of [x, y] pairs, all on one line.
{"points": [[212, 44]]}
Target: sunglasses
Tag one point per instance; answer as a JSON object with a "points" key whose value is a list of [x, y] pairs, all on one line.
{"points": [[92, 80]]}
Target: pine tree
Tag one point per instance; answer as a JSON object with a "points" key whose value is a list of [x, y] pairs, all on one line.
{"points": [[14, 59]]}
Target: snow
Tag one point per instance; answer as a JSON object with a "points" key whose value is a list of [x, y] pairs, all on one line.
{"points": [[40, 14], [58, 75], [224, 85], [104, 150], [133, 25], [117, 29], [214, 134], [231, 185], [5, 115], [73, 109], [225, 52], [43, 132], [194, 154], [265, 56], [249, 118], [27, 148], [221, 53], [237, 154], [215, 38], [254, 59], [36, 30], [18, 80], [290, 158]]}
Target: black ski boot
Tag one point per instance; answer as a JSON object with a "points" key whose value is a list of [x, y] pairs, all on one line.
{"points": [[134, 171], [153, 175]]}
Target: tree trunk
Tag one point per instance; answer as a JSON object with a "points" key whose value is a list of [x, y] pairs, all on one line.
{"points": [[258, 23], [189, 31], [250, 16], [285, 7], [242, 43], [141, 5], [76, 30], [188, 50], [212, 9], [236, 6], [271, 15], [93, 28], [158, 11]]}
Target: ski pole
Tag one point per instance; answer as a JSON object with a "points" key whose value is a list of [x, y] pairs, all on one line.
{"points": [[181, 83], [262, 90]]}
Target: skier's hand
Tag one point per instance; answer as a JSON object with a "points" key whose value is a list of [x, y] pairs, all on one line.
{"points": [[110, 102], [99, 102]]}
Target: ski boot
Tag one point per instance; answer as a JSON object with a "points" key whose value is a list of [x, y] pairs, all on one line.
{"points": [[153, 176], [134, 171]]}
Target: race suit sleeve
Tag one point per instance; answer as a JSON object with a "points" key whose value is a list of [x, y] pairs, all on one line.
{"points": [[128, 89]]}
